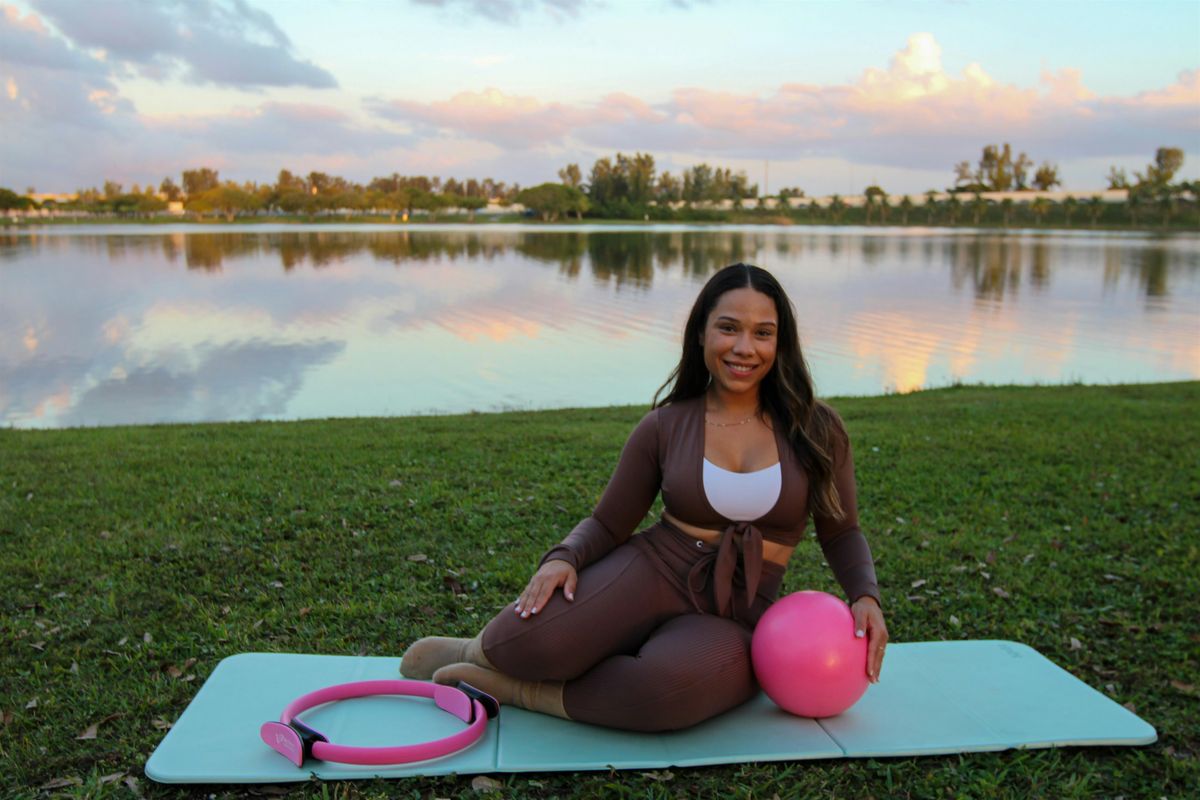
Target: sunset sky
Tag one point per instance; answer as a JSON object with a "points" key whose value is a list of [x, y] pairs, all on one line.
{"points": [[834, 96]]}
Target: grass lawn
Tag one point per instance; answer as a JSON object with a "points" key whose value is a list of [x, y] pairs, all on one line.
{"points": [[132, 560]]}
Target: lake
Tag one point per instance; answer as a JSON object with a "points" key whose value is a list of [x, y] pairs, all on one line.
{"points": [[144, 324]]}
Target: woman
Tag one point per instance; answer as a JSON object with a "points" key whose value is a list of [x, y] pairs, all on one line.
{"points": [[652, 632]]}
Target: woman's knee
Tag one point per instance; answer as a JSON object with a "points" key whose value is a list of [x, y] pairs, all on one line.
{"points": [[692, 668], [618, 602]]}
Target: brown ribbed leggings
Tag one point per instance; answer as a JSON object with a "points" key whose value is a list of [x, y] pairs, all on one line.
{"points": [[633, 650]]}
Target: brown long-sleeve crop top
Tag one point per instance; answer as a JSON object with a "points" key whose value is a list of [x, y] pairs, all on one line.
{"points": [[665, 453]]}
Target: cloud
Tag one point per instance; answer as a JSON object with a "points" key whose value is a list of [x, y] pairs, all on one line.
{"points": [[49, 85], [244, 380], [509, 12], [284, 129], [27, 41], [224, 43], [511, 121], [910, 114]]}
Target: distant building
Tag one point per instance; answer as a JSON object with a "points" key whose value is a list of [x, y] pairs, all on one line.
{"points": [[53, 197]]}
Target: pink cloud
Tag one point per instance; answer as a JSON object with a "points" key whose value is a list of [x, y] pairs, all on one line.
{"points": [[909, 114], [513, 120]]}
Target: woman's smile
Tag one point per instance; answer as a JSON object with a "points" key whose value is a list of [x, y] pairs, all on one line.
{"points": [[740, 340]]}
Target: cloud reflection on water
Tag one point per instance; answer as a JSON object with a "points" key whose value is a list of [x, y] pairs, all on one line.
{"points": [[107, 328]]}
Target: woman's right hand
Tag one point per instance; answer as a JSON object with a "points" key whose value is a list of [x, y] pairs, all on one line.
{"points": [[550, 576]]}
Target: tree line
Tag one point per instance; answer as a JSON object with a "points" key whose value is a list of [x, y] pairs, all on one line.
{"points": [[631, 187], [201, 191]]}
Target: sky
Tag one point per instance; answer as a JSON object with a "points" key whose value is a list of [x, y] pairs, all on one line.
{"points": [[829, 97]]}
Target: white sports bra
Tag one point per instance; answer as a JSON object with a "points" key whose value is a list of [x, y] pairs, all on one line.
{"points": [[742, 496]]}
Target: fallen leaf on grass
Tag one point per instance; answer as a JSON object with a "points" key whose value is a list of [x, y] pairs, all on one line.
{"points": [[92, 730], [453, 585], [1076, 644], [304, 612], [38, 645], [131, 783], [147, 638], [1112, 578], [918, 584], [955, 621], [1185, 688], [482, 783], [394, 484], [31, 704], [60, 783], [996, 590], [121, 643], [6, 718], [177, 672], [418, 558], [113, 778], [160, 724], [665, 775]]}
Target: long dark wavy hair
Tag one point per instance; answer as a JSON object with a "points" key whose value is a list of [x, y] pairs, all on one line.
{"points": [[786, 392]]}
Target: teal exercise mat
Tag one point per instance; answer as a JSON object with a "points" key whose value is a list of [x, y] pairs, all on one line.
{"points": [[935, 698]]}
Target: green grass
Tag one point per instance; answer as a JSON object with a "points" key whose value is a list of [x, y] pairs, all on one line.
{"points": [[132, 559]]}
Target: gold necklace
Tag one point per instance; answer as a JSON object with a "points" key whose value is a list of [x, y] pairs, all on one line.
{"points": [[708, 421]]}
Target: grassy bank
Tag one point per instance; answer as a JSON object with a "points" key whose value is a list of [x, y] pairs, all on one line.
{"points": [[132, 560]]}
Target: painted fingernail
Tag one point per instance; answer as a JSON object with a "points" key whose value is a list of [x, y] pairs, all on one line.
{"points": [[524, 614], [857, 634], [534, 610], [570, 596]]}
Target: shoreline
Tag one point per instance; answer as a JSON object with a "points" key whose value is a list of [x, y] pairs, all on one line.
{"points": [[505, 413], [11, 224]]}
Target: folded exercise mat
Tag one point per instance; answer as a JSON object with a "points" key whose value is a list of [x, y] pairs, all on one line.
{"points": [[935, 697]]}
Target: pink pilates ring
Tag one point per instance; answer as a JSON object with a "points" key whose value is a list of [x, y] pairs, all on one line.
{"points": [[296, 741]]}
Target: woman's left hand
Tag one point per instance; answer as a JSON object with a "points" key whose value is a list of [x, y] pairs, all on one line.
{"points": [[868, 621]]}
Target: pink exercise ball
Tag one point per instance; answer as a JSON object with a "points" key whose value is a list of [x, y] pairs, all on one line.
{"points": [[806, 656]]}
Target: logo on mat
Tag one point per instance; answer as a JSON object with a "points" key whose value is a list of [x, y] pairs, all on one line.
{"points": [[286, 742]]}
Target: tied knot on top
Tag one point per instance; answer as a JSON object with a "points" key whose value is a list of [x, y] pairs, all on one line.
{"points": [[722, 564]]}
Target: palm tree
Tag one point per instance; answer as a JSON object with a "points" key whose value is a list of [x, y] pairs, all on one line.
{"points": [[931, 204], [1134, 200], [978, 207], [1166, 202], [953, 206], [1095, 208], [1006, 208], [1039, 208], [836, 207], [906, 205], [1068, 206]]}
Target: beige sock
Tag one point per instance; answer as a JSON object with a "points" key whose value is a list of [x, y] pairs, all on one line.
{"points": [[544, 697], [426, 656]]}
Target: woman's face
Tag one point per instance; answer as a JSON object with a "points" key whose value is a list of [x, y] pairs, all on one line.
{"points": [[739, 341]]}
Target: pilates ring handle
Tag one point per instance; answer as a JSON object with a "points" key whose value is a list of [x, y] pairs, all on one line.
{"points": [[296, 741]]}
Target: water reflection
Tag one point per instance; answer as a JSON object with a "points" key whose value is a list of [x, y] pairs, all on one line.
{"points": [[152, 325]]}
